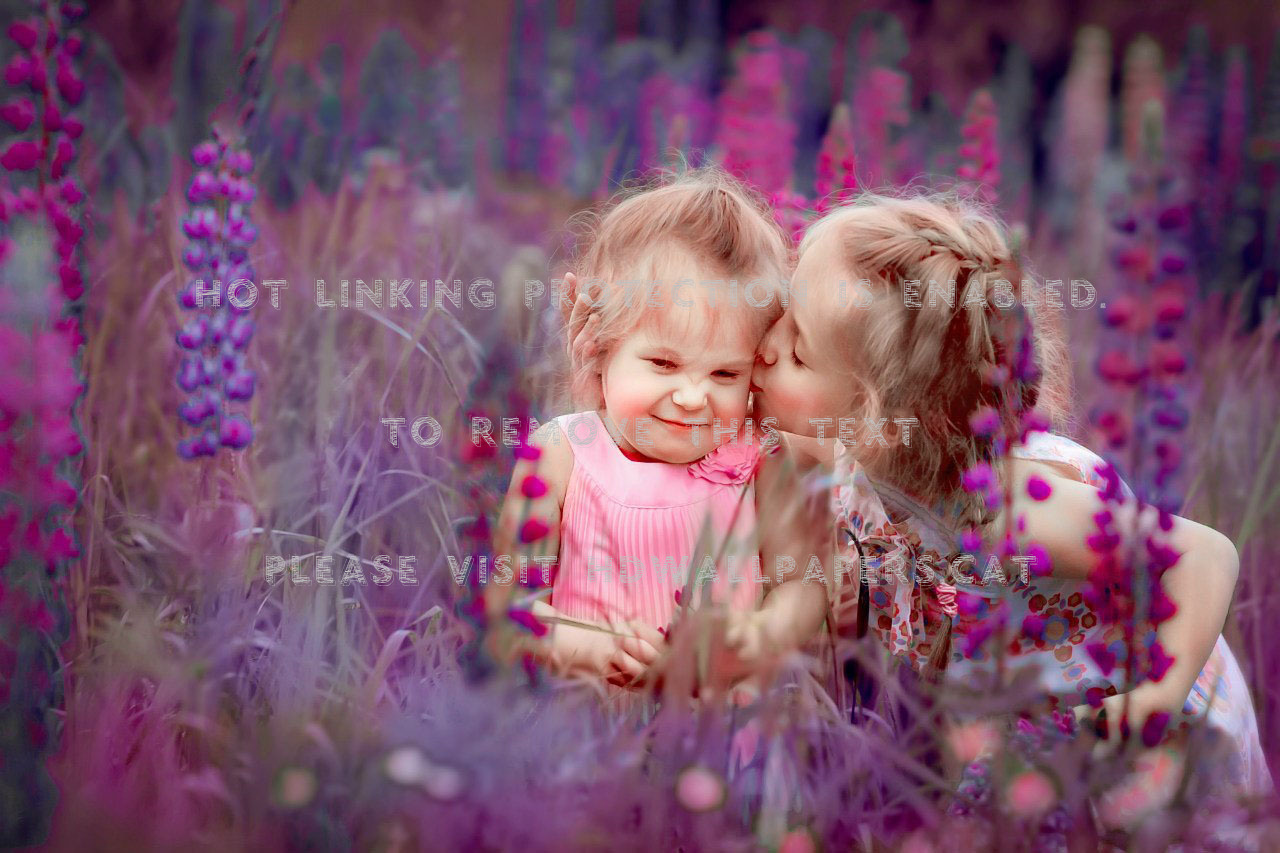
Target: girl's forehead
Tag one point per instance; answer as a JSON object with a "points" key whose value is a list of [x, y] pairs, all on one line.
{"points": [[700, 326]]}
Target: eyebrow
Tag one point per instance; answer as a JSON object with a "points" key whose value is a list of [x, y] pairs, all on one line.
{"points": [[673, 355], [661, 352]]}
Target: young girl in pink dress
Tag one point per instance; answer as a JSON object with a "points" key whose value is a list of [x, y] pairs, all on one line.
{"points": [[655, 479], [859, 345]]}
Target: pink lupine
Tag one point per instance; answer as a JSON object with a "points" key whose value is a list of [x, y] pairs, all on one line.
{"points": [[24, 33], [1143, 84], [70, 86], [836, 178], [19, 113], [756, 130], [534, 530], [980, 153], [880, 105], [21, 156], [533, 487], [19, 70]]}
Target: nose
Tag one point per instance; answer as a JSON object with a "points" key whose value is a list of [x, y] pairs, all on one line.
{"points": [[691, 396], [767, 353]]}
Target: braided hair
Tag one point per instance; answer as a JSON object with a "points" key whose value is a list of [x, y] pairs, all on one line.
{"points": [[923, 349]]}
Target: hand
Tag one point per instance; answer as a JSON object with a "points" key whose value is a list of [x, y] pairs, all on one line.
{"points": [[623, 654], [582, 321], [740, 648], [1135, 707], [1152, 774]]}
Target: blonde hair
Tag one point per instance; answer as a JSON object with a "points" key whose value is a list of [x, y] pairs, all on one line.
{"points": [[704, 214], [934, 362]]}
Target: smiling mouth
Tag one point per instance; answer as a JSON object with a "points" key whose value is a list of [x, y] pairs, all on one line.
{"points": [[681, 425]]}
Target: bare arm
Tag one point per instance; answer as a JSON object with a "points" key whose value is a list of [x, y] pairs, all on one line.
{"points": [[620, 653], [1200, 584], [794, 523]]}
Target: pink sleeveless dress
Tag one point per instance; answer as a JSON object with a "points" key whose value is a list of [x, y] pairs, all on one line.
{"points": [[632, 533]]}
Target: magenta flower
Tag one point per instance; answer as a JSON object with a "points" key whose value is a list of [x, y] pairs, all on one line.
{"points": [[756, 130], [24, 34], [533, 486], [205, 154], [236, 432], [533, 530], [1160, 661], [528, 621], [19, 70], [979, 478], [528, 452], [1154, 728], [1103, 656], [19, 113], [69, 85], [985, 422], [20, 156], [1038, 489]]}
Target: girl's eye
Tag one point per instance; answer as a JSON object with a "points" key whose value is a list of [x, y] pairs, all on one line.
{"points": [[726, 374], [662, 363]]}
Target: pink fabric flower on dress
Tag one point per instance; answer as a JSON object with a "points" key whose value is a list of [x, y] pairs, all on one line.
{"points": [[729, 464]]}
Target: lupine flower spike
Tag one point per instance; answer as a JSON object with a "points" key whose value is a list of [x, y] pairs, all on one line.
{"points": [[216, 337]]}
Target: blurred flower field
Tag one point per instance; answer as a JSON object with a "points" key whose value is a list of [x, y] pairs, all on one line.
{"points": [[159, 693]]}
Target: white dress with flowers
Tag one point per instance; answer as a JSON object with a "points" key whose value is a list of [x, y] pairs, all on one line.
{"points": [[907, 616]]}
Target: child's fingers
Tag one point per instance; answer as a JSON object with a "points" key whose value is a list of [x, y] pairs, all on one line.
{"points": [[650, 635], [624, 670], [1107, 726], [582, 342], [640, 650]]}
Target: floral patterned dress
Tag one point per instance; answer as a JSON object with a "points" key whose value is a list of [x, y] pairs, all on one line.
{"points": [[907, 614]]}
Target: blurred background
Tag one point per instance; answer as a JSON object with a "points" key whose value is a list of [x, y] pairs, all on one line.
{"points": [[170, 693]]}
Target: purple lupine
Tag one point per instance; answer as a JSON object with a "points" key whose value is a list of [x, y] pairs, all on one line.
{"points": [[1142, 364], [980, 153], [216, 338]]}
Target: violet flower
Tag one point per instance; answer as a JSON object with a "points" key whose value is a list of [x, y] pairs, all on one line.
{"points": [[215, 339]]}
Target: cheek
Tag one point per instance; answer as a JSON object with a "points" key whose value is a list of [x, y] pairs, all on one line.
{"points": [[629, 391], [800, 396], [731, 402]]}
